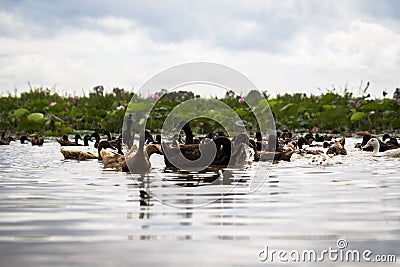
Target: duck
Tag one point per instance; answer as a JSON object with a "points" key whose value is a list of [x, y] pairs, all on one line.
{"points": [[136, 160], [337, 148], [64, 141], [310, 149], [374, 143], [113, 141], [4, 140], [224, 152], [83, 155], [392, 142], [321, 160], [382, 146], [37, 141], [24, 138], [276, 149]]}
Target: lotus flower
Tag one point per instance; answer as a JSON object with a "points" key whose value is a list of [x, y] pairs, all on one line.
{"points": [[154, 96], [358, 104], [398, 100], [316, 101], [241, 100], [52, 104], [372, 112], [315, 129], [120, 108]]}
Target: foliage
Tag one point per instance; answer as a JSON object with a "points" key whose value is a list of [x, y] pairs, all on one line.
{"points": [[47, 112]]}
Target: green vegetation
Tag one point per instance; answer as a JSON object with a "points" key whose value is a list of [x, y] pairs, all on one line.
{"points": [[46, 112]]}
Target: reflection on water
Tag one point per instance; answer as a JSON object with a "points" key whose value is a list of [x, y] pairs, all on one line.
{"points": [[64, 212]]}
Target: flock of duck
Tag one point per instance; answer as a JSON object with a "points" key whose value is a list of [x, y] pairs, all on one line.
{"points": [[228, 151]]}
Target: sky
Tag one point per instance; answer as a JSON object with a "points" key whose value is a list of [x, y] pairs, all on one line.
{"points": [[282, 46]]}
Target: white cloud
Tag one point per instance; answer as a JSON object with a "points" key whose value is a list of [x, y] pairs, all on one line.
{"points": [[282, 46]]}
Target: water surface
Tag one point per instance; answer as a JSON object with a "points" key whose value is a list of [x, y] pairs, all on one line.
{"points": [[56, 212]]}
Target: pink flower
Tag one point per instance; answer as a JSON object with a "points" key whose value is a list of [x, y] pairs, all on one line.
{"points": [[398, 100], [241, 100], [66, 109], [120, 108], [52, 104], [372, 112], [315, 129], [154, 96], [316, 101], [72, 99], [358, 104]]}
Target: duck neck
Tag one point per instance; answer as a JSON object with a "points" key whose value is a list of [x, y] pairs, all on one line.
{"points": [[108, 136], [188, 133], [375, 152], [86, 141]]}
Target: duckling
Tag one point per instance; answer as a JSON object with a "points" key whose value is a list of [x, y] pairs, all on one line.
{"points": [[64, 141], [394, 153], [37, 141], [82, 155]]}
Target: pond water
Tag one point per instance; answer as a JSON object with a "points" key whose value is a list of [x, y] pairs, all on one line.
{"points": [[56, 212]]}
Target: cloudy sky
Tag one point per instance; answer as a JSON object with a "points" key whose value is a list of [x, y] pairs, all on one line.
{"points": [[282, 46]]}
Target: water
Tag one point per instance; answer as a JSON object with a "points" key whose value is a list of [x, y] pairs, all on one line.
{"points": [[55, 212]]}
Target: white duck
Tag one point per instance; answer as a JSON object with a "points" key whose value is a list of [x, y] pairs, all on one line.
{"points": [[393, 153]]}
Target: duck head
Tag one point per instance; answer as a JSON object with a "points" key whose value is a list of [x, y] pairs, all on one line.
{"points": [[148, 137], [385, 136], [103, 145], [365, 140], [108, 134], [77, 137], [372, 142]]}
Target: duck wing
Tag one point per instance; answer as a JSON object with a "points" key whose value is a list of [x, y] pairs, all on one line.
{"points": [[393, 153]]}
